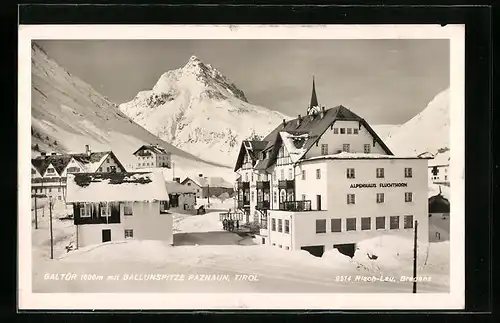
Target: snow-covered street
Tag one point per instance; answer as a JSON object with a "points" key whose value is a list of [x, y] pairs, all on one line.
{"points": [[205, 258]]}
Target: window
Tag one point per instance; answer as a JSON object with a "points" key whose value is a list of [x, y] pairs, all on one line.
{"points": [[129, 233], [303, 197], [50, 171], [99, 169], [73, 170], [355, 131], [445, 177], [274, 197], [282, 174], [342, 131], [252, 196], [303, 174], [107, 168], [246, 177], [351, 224], [408, 221], [380, 173], [273, 224], [380, 197], [287, 248], [274, 175], [394, 222], [287, 226], [127, 209], [290, 174], [380, 222], [408, 172], [350, 173], [50, 190], [318, 173], [367, 148], [59, 198], [335, 131], [346, 148], [105, 210], [324, 149], [366, 223], [251, 177], [351, 199], [336, 225], [280, 246], [280, 225], [321, 226], [33, 172], [59, 189], [349, 131], [198, 190], [86, 210], [408, 196]]}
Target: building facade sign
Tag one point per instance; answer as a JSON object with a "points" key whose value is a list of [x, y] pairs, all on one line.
{"points": [[373, 185]]}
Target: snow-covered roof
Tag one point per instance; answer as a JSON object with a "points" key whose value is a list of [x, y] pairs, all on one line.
{"points": [[348, 155], [436, 189], [294, 144], [174, 187], [155, 148], [440, 159], [116, 187], [210, 181]]}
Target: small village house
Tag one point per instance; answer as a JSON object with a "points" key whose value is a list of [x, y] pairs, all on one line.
{"points": [[439, 167], [119, 206], [181, 197], [152, 156], [49, 171], [205, 187]]}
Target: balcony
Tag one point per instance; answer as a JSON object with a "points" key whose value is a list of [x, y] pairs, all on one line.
{"points": [[295, 206], [286, 184], [262, 205], [283, 161], [40, 180], [243, 185], [243, 204], [263, 185]]}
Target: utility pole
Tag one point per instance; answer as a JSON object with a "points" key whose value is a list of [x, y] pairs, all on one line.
{"points": [[415, 258], [208, 193], [51, 235], [36, 214]]}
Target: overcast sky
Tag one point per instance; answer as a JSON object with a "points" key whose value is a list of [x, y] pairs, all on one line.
{"points": [[384, 81]]}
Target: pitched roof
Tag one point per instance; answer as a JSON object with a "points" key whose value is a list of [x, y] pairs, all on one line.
{"points": [[91, 162], [174, 187], [314, 126], [252, 148], [210, 181], [155, 148], [116, 187]]}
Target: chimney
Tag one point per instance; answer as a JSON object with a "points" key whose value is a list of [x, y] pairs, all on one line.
{"points": [[200, 175], [284, 123], [87, 150], [298, 120]]}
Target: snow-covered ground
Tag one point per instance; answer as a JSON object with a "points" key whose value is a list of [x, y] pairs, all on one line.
{"points": [[201, 248]]}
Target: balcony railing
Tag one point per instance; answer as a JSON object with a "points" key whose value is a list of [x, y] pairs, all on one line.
{"points": [[295, 206], [262, 205], [263, 185], [286, 184], [283, 160], [49, 180]]}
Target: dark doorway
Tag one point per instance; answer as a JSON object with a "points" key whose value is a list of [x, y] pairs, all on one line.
{"points": [[106, 235], [318, 202], [263, 240], [314, 250], [347, 249]]}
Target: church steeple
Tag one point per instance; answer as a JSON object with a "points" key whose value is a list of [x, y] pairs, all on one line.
{"points": [[314, 99]]}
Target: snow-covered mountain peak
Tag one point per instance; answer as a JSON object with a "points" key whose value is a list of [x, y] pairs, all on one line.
{"points": [[198, 108]]}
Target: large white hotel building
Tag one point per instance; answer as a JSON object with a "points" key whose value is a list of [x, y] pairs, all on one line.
{"points": [[326, 180]]}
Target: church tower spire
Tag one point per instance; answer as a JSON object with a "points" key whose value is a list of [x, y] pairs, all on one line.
{"points": [[314, 99]]}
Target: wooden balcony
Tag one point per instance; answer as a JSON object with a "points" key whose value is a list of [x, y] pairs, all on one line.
{"points": [[243, 185], [286, 184], [295, 206], [263, 185], [262, 205], [243, 204]]}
